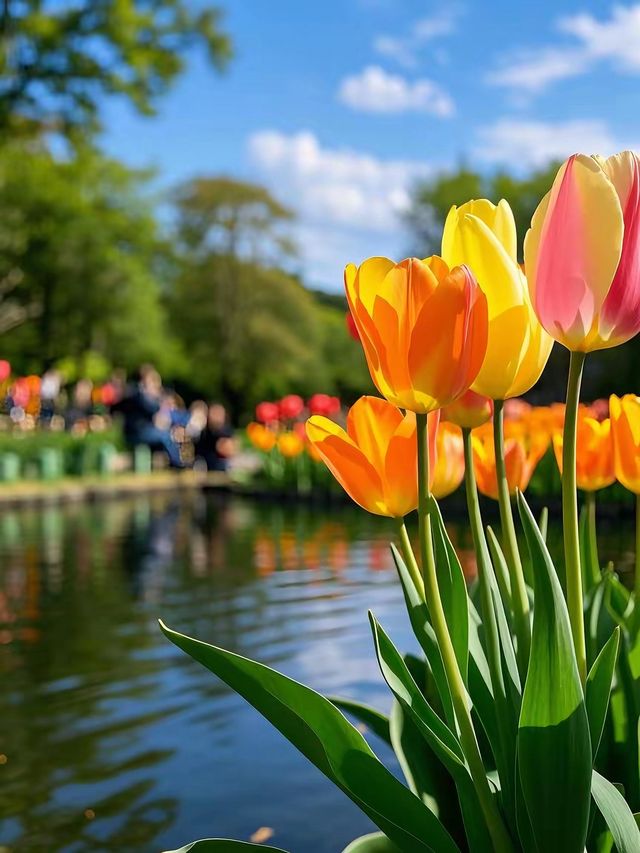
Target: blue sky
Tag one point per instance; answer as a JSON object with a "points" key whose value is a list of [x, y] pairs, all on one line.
{"points": [[340, 106]]}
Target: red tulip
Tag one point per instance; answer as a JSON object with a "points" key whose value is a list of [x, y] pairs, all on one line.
{"points": [[323, 404], [291, 407], [267, 413], [5, 370]]}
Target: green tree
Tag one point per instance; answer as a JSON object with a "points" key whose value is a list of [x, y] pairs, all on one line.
{"points": [[80, 244], [58, 60]]}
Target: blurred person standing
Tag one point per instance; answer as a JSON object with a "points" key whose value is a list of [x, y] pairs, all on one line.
{"points": [[216, 444]]}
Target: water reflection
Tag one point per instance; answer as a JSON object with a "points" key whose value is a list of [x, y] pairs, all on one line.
{"points": [[111, 739]]}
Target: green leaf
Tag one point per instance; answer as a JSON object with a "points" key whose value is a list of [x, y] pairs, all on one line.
{"points": [[439, 737], [598, 688], [554, 745], [376, 842], [617, 814], [372, 718], [588, 550], [502, 572], [226, 845], [543, 522], [453, 588], [425, 635], [328, 740]]}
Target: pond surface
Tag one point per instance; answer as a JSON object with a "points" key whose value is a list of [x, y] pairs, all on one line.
{"points": [[111, 739]]}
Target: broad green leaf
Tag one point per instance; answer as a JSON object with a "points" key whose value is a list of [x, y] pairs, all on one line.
{"points": [[372, 718], [554, 745], [322, 734], [424, 772], [224, 845], [589, 561], [617, 814], [441, 740], [453, 588], [375, 842], [424, 633], [598, 688], [502, 572]]}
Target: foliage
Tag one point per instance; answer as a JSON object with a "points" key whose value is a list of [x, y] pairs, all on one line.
{"points": [[58, 60]]}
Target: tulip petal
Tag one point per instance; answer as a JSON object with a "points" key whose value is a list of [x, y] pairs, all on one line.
{"points": [[573, 251], [401, 467], [371, 423], [347, 463]]}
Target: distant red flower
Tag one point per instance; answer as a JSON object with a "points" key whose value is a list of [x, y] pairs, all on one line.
{"points": [[351, 326], [267, 413], [291, 407], [5, 370], [323, 404]]}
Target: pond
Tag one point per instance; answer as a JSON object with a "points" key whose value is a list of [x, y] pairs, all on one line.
{"points": [[111, 739]]}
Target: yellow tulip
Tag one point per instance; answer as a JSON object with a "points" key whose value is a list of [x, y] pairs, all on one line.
{"points": [[469, 411], [625, 435], [290, 444], [483, 236], [423, 328], [375, 458]]}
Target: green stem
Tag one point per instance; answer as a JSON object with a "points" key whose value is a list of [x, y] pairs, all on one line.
{"points": [[637, 579], [409, 557], [592, 575], [570, 513], [468, 741], [519, 597]]}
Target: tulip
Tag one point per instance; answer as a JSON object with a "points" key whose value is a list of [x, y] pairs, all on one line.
{"points": [[267, 412], [291, 406], [521, 456], [323, 404], [5, 370], [290, 444], [448, 471], [594, 468], [375, 458], [261, 437], [625, 435], [351, 326], [469, 411], [483, 236], [582, 253], [423, 328]]}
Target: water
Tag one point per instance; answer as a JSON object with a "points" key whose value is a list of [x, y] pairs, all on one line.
{"points": [[111, 739]]}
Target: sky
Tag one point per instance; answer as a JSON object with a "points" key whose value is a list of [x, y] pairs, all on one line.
{"points": [[340, 107]]}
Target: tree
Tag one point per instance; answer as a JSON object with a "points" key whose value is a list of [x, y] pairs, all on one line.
{"points": [[81, 244], [58, 59]]}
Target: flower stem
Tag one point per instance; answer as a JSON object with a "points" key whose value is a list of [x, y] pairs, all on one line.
{"points": [[409, 557], [570, 512], [592, 574], [468, 741], [519, 597]]}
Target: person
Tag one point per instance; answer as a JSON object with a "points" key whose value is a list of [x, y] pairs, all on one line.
{"points": [[143, 413], [215, 444]]}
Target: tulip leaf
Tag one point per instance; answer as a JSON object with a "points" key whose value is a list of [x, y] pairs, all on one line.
{"points": [[588, 552], [223, 845], [554, 744], [598, 688], [617, 814], [439, 737], [501, 572], [424, 633], [375, 842], [453, 588], [372, 718], [319, 730]]}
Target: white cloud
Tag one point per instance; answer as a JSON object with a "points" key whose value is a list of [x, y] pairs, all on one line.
{"points": [[530, 144], [615, 39], [405, 49], [349, 203], [376, 91]]}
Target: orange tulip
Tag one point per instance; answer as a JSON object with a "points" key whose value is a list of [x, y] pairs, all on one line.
{"points": [[594, 453], [375, 458], [523, 449], [290, 444], [448, 471], [625, 435], [261, 437], [423, 328], [469, 411]]}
